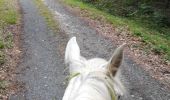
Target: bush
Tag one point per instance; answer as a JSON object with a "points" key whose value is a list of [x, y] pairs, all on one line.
{"points": [[160, 19], [141, 9]]}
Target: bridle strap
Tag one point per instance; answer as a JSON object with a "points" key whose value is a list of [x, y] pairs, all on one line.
{"points": [[107, 80], [73, 75]]}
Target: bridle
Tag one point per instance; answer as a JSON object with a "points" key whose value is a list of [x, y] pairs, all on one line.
{"points": [[101, 76]]}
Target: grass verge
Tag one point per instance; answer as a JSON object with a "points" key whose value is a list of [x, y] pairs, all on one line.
{"points": [[153, 39], [9, 16], [48, 15]]}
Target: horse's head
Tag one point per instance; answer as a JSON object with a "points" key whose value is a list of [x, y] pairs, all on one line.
{"points": [[93, 79]]}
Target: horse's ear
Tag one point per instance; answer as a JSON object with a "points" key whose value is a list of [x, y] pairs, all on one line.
{"points": [[72, 52], [115, 61]]}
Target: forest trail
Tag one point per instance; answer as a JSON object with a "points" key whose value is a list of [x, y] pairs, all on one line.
{"points": [[42, 67]]}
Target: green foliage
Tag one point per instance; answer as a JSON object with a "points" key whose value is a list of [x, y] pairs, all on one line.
{"points": [[159, 49], [8, 13], [140, 9], [160, 19], [137, 33], [154, 37], [1, 44]]}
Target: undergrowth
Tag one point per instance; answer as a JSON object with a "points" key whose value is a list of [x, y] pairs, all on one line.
{"points": [[156, 39]]}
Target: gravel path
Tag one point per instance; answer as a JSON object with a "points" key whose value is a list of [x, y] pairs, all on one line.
{"points": [[42, 68]]}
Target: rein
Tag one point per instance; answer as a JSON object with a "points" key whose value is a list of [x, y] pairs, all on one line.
{"points": [[104, 78], [73, 75]]}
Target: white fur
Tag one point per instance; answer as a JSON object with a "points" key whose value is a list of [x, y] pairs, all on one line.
{"points": [[82, 87]]}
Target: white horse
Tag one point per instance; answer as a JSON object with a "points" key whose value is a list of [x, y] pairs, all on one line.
{"points": [[94, 79]]}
